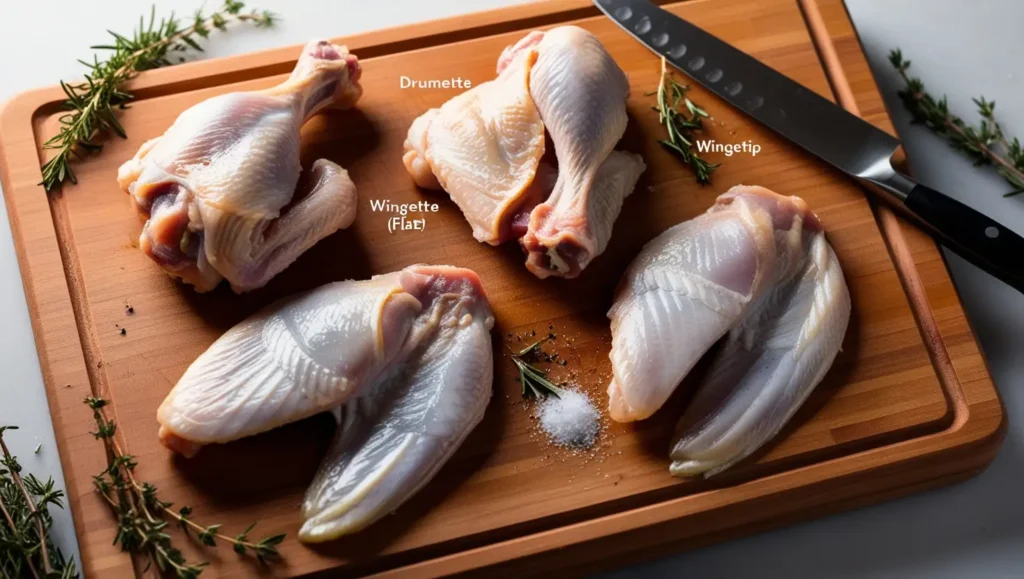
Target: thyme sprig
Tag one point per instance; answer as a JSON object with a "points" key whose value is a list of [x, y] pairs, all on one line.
{"points": [[26, 549], [534, 381], [680, 127], [985, 144], [92, 103], [143, 517]]}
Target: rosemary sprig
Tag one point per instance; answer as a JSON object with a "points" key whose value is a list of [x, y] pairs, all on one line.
{"points": [[985, 144], [91, 104], [534, 381], [679, 126], [143, 518], [26, 549]]}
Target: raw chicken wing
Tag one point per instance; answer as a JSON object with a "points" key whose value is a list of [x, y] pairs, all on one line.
{"points": [[407, 424], [211, 190], [757, 267], [484, 148], [581, 95], [404, 359]]}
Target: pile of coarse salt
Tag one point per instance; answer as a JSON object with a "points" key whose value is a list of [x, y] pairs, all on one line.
{"points": [[570, 420]]}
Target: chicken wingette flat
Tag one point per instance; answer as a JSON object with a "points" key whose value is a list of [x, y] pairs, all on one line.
{"points": [[213, 188], [404, 359], [757, 268]]}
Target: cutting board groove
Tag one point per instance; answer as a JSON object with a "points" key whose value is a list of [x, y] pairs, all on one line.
{"points": [[894, 239], [907, 405]]}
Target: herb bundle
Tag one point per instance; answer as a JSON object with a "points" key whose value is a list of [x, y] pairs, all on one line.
{"points": [[985, 144], [143, 518], [26, 549], [534, 381], [91, 104], [680, 127]]}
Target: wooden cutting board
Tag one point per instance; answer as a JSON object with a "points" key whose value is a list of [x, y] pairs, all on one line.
{"points": [[907, 405]]}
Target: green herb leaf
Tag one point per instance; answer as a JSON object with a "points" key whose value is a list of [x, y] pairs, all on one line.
{"points": [[93, 100], [679, 127], [207, 535], [26, 549], [985, 144], [143, 518], [534, 381]]}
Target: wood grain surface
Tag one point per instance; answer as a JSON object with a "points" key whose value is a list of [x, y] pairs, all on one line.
{"points": [[908, 403]]}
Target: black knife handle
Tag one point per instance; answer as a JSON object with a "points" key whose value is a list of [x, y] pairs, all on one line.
{"points": [[977, 238]]}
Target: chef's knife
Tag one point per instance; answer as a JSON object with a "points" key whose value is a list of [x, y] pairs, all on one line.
{"points": [[822, 128]]}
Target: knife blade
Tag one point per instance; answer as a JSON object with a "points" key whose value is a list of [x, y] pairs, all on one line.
{"points": [[823, 129]]}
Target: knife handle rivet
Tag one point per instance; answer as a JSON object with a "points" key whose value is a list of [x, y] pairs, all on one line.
{"points": [[643, 26], [677, 52], [755, 103], [696, 63], [624, 13], [660, 39], [991, 232], [734, 88], [714, 75]]}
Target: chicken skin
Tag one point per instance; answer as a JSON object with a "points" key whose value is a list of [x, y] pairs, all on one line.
{"points": [[755, 269], [212, 191], [404, 360], [485, 147]]}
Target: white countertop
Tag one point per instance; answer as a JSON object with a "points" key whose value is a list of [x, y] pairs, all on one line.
{"points": [[974, 529]]}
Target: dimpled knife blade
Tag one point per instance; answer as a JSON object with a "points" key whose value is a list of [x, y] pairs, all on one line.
{"points": [[824, 129], [785, 106]]}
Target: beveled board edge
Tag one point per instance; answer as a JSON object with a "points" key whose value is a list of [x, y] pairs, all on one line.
{"points": [[951, 328], [962, 449]]}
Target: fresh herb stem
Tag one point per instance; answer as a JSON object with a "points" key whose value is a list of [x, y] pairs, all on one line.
{"points": [[25, 545], [15, 474], [985, 144], [143, 517], [91, 103], [534, 381], [680, 127]]}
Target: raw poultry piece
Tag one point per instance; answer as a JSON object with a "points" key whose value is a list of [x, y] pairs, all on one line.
{"points": [[483, 148], [581, 95], [396, 435], [756, 266], [575, 225], [213, 188], [404, 359], [562, 80]]}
